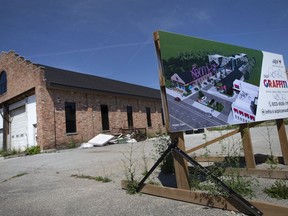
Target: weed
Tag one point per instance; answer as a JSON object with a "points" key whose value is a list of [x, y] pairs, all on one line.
{"points": [[8, 153], [72, 144], [241, 185], [132, 187], [32, 150], [130, 172], [145, 162], [95, 178], [160, 144], [16, 176], [278, 190]]}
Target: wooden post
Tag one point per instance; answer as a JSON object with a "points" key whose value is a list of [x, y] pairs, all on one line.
{"points": [[180, 164], [247, 146], [283, 139]]}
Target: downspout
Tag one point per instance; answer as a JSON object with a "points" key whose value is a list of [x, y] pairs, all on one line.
{"points": [[54, 116], [54, 113], [6, 126]]}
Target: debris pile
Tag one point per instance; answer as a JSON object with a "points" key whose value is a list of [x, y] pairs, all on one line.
{"points": [[105, 139]]}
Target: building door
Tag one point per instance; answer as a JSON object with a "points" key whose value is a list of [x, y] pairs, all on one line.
{"points": [[18, 130]]}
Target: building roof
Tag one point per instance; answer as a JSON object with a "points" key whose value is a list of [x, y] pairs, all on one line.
{"points": [[186, 76], [56, 77]]}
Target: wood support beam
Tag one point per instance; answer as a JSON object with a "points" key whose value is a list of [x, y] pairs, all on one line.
{"points": [[213, 141], [247, 146], [205, 199], [283, 139], [180, 164]]}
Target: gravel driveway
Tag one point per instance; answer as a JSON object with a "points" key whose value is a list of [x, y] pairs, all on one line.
{"points": [[42, 184]]}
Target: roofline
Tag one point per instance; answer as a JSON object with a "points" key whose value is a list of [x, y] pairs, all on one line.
{"points": [[53, 85]]}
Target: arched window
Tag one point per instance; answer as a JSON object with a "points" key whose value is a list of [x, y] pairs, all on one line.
{"points": [[3, 82]]}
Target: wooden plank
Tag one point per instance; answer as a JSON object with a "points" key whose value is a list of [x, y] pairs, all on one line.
{"points": [[283, 139], [220, 138], [209, 159], [180, 164], [261, 173], [259, 159], [201, 198], [162, 82], [213, 141], [247, 146]]}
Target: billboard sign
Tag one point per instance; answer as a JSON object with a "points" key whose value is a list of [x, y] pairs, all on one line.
{"points": [[206, 83]]}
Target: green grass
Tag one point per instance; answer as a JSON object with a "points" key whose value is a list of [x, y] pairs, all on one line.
{"points": [[8, 153], [95, 178], [173, 44], [278, 190], [33, 150], [16, 176]]}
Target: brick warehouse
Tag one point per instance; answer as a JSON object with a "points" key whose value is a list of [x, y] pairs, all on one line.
{"points": [[51, 107]]}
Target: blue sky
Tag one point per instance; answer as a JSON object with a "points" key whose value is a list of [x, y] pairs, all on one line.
{"points": [[114, 39]]}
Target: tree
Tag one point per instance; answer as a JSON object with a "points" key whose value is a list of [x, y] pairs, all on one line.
{"points": [[200, 94]]}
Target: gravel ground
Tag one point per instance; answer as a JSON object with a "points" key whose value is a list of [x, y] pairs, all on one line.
{"points": [[42, 184]]}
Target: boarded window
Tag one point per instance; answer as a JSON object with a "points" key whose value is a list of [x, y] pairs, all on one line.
{"points": [[3, 82], [148, 117], [70, 114], [129, 116], [105, 117]]}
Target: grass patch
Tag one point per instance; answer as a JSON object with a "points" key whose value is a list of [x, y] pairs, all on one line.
{"points": [[33, 150], [16, 176], [278, 190], [8, 153], [95, 178]]}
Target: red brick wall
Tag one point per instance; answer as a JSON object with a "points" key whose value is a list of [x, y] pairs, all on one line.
{"points": [[88, 115]]}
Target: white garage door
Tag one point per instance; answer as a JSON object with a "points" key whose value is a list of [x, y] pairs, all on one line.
{"points": [[18, 133], [1, 139]]}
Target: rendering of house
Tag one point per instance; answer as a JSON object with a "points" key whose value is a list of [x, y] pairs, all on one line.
{"points": [[245, 106], [52, 107]]}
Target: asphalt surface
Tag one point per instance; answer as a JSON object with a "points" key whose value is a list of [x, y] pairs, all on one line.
{"points": [[42, 184]]}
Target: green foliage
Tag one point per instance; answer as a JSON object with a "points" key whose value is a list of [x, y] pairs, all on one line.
{"points": [[32, 150], [8, 153], [242, 185], [278, 190], [72, 144], [227, 127], [219, 107], [169, 84], [132, 187], [200, 94], [130, 172], [187, 51], [16, 176], [96, 178], [160, 144]]}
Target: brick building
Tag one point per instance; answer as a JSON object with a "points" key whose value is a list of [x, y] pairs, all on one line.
{"points": [[51, 107]]}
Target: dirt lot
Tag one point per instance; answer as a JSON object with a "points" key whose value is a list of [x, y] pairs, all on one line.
{"points": [[43, 185]]}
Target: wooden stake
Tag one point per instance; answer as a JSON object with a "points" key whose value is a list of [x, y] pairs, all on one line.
{"points": [[247, 146], [180, 164], [283, 139], [201, 198]]}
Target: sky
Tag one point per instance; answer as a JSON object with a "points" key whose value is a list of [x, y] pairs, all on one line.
{"points": [[114, 39]]}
